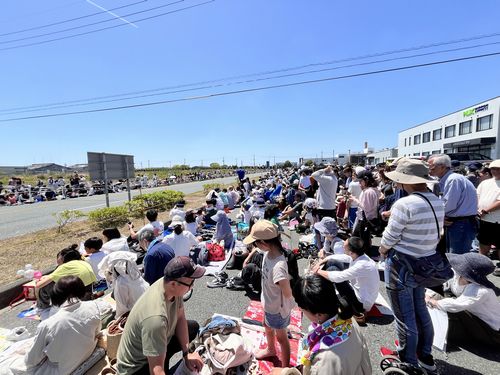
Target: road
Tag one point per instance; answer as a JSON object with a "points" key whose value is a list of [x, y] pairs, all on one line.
{"points": [[18, 220]]}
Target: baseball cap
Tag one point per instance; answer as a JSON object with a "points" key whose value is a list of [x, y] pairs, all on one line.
{"points": [[495, 164], [261, 230], [182, 267]]}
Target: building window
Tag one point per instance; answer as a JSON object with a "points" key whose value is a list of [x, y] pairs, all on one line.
{"points": [[426, 153], [416, 154], [465, 127], [484, 123], [409, 141], [436, 152], [426, 137], [416, 139], [449, 131], [436, 135], [405, 141]]}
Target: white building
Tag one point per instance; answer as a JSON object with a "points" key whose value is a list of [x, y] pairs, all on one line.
{"points": [[473, 129], [382, 156]]}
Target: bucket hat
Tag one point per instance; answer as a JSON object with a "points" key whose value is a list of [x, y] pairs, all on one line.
{"points": [[328, 226], [473, 267], [411, 171]]}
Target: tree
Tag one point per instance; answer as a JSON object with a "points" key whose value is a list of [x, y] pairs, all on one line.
{"points": [[309, 163], [214, 165], [287, 164]]}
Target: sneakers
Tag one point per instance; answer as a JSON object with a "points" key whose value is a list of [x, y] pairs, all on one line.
{"points": [[18, 334], [219, 281], [496, 272], [235, 283], [427, 363]]}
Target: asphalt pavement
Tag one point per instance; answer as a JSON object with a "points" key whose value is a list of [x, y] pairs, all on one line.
{"points": [[378, 332], [28, 218]]}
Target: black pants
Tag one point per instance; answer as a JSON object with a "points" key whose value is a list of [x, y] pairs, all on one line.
{"points": [[344, 288], [465, 327], [324, 213], [174, 347]]}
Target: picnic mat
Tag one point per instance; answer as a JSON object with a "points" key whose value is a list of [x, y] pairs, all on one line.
{"points": [[214, 267], [380, 308], [30, 313], [258, 337], [4, 343]]}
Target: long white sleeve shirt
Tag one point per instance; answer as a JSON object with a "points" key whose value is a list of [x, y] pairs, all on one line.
{"points": [[479, 301], [364, 278]]}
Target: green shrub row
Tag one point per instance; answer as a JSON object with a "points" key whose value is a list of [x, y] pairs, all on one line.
{"points": [[209, 187], [118, 216]]}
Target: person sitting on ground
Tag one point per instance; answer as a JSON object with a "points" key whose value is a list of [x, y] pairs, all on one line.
{"points": [[276, 294], [180, 240], [157, 327], [178, 210], [332, 244], [473, 311], [235, 196], [70, 263], [113, 241], [210, 211], [190, 222], [334, 344], [271, 213], [294, 211], [223, 230], [93, 254], [158, 255], [156, 226], [357, 282], [124, 278], [66, 339]]}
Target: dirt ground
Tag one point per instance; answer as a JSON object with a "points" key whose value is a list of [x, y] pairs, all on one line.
{"points": [[40, 248]]}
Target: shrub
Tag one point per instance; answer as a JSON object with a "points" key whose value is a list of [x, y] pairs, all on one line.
{"points": [[66, 217], [160, 200], [208, 187], [108, 217]]}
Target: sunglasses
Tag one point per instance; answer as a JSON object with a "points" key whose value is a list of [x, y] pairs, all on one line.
{"points": [[186, 284]]}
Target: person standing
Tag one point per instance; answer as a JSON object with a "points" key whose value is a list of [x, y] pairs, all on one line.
{"points": [[460, 202], [327, 192], [488, 193], [413, 232]]}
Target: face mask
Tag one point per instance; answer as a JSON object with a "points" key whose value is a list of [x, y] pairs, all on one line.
{"points": [[178, 229]]}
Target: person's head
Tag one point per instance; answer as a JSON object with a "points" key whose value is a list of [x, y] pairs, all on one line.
{"points": [[484, 174], [366, 179], [265, 236], [190, 216], [354, 247], [179, 275], [472, 268], [151, 215], [317, 298], [111, 234], [495, 169], [327, 227], [219, 217], [92, 245], [145, 237], [210, 202], [180, 204], [67, 288], [271, 211], [439, 165], [412, 175], [68, 254]]}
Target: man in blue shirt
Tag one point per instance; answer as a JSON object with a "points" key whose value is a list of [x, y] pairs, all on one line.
{"points": [[158, 255], [460, 202]]}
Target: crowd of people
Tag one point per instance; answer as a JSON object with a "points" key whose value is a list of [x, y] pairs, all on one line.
{"points": [[437, 229]]}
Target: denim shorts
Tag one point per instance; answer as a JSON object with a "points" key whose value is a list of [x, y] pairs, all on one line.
{"points": [[276, 321]]}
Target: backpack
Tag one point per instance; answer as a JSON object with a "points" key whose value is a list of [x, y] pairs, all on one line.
{"points": [[199, 254], [216, 252]]}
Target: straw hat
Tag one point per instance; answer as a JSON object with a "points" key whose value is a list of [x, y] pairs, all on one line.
{"points": [[411, 171]]}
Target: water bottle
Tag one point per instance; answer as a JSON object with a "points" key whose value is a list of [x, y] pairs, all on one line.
{"points": [[29, 272]]}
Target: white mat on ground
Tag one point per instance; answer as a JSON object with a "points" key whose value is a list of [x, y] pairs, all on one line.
{"points": [[383, 305], [214, 267]]}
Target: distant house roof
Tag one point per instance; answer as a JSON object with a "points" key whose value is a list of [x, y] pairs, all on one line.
{"points": [[47, 166]]}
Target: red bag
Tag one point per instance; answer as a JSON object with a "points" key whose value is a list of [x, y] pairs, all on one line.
{"points": [[215, 252]]}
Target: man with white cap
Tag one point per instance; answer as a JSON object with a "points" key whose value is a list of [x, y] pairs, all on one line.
{"points": [[413, 232]]}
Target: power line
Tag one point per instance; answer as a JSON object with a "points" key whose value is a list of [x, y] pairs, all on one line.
{"points": [[108, 27], [97, 100], [90, 24], [69, 20], [255, 89]]}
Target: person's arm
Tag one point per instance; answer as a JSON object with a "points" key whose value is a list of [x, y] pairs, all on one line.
{"points": [[193, 361], [133, 234], [156, 364], [451, 195], [36, 354], [394, 230], [247, 259], [44, 281], [339, 276], [493, 207], [286, 290], [462, 303]]}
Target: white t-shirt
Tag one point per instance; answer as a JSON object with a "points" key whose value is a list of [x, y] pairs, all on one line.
{"points": [[191, 227], [305, 182], [273, 271], [355, 190], [94, 259], [181, 243], [488, 192], [156, 226], [177, 211]]}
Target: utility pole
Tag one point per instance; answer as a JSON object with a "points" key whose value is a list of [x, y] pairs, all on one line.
{"points": [[274, 164], [148, 164], [223, 160], [254, 160]]}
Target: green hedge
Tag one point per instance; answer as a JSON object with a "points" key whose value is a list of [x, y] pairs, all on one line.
{"points": [[209, 187], [160, 201], [109, 217]]}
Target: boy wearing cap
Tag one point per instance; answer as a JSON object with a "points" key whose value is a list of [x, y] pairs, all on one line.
{"points": [[157, 327], [276, 297]]}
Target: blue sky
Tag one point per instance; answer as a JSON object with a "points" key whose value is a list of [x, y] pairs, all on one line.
{"points": [[227, 38]]}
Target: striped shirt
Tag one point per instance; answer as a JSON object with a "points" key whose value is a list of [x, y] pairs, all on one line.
{"points": [[412, 228]]}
